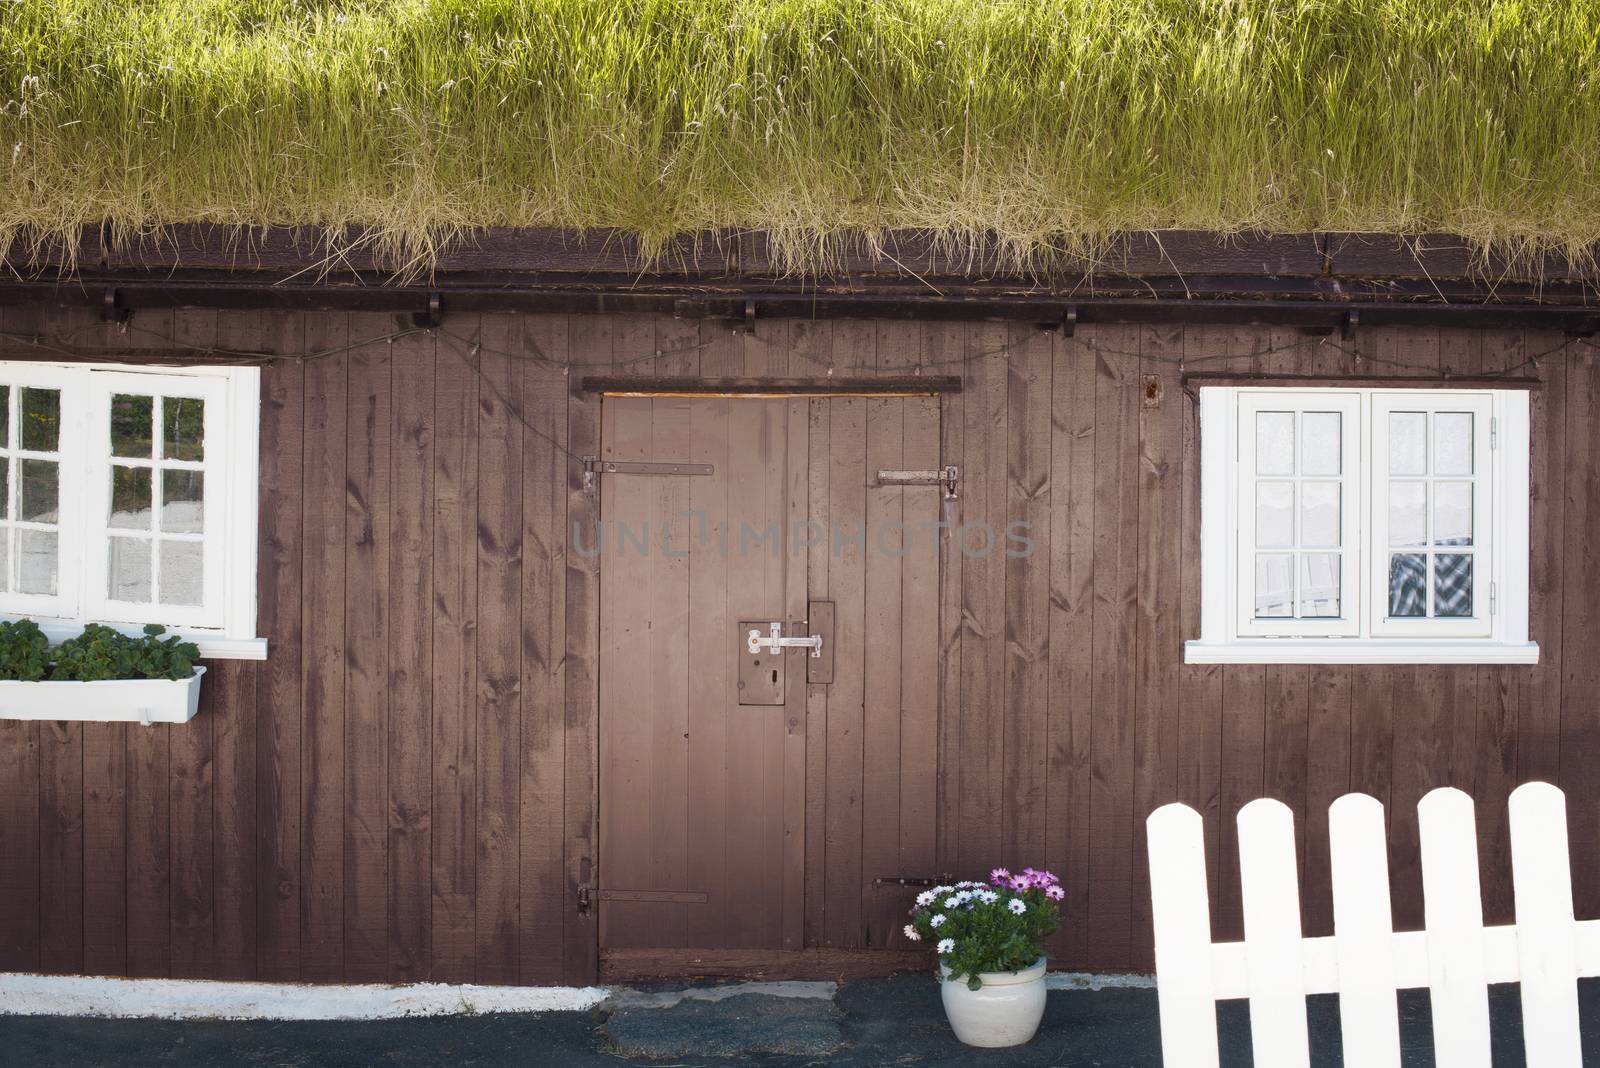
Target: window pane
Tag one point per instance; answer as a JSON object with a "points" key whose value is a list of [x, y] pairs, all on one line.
{"points": [[1452, 513], [1408, 441], [1319, 514], [1274, 585], [1319, 586], [1452, 584], [1408, 584], [182, 497], [183, 428], [130, 497], [5, 482], [130, 425], [5, 417], [1408, 513], [1274, 443], [1320, 443], [182, 568], [40, 491], [1452, 443], [41, 419], [36, 552], [1274, 515], [128, 574], [5, 547]]}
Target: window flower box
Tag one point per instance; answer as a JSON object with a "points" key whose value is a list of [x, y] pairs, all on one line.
{"points": [[144, 701]]}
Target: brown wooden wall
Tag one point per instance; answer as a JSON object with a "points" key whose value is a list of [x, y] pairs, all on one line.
{"points": [[404, 789]]}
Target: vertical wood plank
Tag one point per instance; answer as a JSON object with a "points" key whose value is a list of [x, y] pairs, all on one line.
{"points": [[1200, 685], [499, 658], [1157, 636], [1022, 543], [368, 421], [920, 640], [1580, 624], [1072, 499], [883, 907], [944, 343], [455, 664], [544, 549], [1539, 724], [980, 517], [192, 766], [846, 697], [1269, 883], [279, 586], [149, 814], [819, 422], [231, 694], [1546, 934], [1111, 818], [1459, 991], [61, 847], [322, 753], [19, 845], [1182, 921], [409, 629], [591, 344], [1369, 1016]]}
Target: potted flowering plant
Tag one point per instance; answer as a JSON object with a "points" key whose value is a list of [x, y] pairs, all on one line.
{"points": [[989, 938]]}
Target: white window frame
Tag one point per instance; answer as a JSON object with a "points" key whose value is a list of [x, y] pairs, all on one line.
{"points": [[226, 627], [1496, 634]]}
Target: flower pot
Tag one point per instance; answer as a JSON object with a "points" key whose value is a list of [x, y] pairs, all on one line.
{"points": [[1004, 1011], [113, 700]]}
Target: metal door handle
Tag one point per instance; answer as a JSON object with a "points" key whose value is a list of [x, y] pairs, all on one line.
{"points": [[775, 641]]}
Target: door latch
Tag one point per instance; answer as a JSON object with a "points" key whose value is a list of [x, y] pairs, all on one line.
{"points": [[775, 641]]}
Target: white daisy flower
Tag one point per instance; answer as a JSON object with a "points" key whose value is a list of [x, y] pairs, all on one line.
{"points": [[988, 897], [911, 933], [938, 920], [1017, 905], [925, 899], [946, 945], [952, 902]]}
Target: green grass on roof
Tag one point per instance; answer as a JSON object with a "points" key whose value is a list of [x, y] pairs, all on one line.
{"points": [[1046, 123]]}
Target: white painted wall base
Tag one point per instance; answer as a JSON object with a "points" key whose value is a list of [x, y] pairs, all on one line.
{"points": [[24, 994], [183, 999]]}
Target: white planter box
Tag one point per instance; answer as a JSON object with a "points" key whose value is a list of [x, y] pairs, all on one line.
{"points": [[112, 701]]}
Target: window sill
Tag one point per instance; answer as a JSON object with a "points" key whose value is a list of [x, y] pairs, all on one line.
{"points": [[1355, 651], [212, 646]]}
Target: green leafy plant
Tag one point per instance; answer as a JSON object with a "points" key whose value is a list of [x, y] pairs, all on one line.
{"points": [[24, 651], [1000, 927], [101, 653]]}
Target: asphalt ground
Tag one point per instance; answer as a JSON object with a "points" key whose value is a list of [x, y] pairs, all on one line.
{"points": [[897, 1021]]}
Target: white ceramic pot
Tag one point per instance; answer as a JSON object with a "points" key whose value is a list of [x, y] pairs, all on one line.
{"points": [[1004, 1011]]}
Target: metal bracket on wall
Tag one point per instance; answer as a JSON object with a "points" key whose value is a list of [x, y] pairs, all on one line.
{"points": [[944, 477], [594, 466]]}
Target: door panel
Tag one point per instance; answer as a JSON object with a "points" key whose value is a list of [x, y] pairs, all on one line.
{"points": [[705, 800], [880, 713], [696, 790]]}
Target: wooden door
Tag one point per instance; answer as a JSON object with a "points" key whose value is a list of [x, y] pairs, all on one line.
{"points": [[739, 811], [702, 798]]}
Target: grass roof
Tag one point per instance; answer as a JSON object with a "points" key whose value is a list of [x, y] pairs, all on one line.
{"points": [[1037, 123]]}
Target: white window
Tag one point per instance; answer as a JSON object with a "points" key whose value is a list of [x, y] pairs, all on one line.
{"points": [[128, 497], [1363, 526]]}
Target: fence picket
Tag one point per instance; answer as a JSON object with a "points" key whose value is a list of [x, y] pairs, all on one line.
{"points": [[1181, 913], [1453, 912], [1366, 961], [1547, 951], [1363, 928], [1269, 886]]}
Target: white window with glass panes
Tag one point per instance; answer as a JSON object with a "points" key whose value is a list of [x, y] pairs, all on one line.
{"points": [[1363, 526], [129, 497]]}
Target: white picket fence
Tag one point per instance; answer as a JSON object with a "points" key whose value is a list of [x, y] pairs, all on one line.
{"points": [[1365, 960]]}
